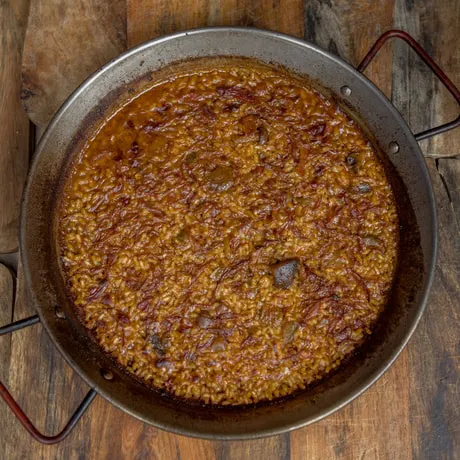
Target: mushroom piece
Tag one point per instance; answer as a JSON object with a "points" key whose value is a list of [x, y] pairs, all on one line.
{"points": [[249, 124], [371, 241], [263, 135], [164, 363], [288, 330], [351, 160], [183, 235], [284, 272], [158, 344], [204, 321], [221, 178], [190, 157], [219, 344], [317, 129], [363, 188]]}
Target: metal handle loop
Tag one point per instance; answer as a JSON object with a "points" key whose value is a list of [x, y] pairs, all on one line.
{"points": [[443, 78], [19, 413]]}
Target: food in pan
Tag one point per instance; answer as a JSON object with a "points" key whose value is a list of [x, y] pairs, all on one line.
{"points": [[229, 235]]}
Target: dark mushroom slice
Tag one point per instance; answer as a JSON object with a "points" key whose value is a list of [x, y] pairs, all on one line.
{"points": [[284, 272], [183, 235], [158, 344], [221, 178], [134, 149], [288, 330], [263, 135], [363, 188], [371, 241], [164, 363], [190, 157], [232, 108], [351, 160], [219, 344], [164, 108], [204, 321]]}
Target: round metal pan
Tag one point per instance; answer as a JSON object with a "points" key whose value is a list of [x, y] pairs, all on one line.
{"points": [[408, 174]]}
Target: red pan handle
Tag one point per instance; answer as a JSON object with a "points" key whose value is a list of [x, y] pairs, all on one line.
{"points": [[443, 78], [19, 413]]}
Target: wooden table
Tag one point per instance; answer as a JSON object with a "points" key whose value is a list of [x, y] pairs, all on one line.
{"points": [[412, 412]]}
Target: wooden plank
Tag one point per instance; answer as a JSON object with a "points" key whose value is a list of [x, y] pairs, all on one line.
{"points": [[65, 43], [275, 447], [45, 387], [14, 126], [6, 312], [152, 18], [348, 29], [434, 350], [376, 425]]}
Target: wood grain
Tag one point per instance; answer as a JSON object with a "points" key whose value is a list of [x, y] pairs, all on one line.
{"points": [[45, 387], [66, 41], [14, 125], [6, 312], [356, 432], [411, 413], [152, 18], [348, 29], [434, 350]]}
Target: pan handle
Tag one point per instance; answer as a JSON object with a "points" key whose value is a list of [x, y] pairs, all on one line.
{"points": [[443, 78], [19, 413]]}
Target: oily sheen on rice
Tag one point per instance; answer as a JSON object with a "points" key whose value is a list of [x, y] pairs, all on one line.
{"points": [[179, 213]]}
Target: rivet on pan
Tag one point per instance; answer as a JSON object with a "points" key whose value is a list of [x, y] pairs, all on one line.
{"points": [[393, 147], [345, 90], [108, 375], [59, 312]]}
